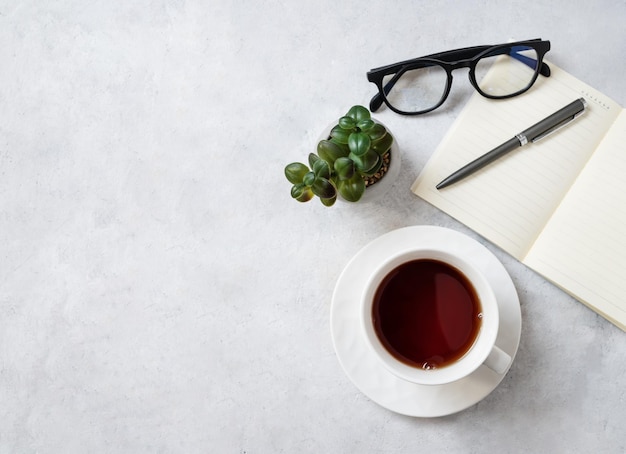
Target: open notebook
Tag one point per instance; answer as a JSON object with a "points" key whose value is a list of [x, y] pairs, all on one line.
{"points": [[558, 205]]}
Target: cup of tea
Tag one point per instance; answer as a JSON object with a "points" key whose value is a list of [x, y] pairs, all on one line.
{"points": [[431, 317]]}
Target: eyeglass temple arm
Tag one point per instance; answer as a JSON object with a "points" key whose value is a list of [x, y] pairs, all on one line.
{"points": [[377, 99], [544, 70]]}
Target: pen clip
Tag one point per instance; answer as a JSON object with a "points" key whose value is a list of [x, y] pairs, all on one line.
{"points": [[561, 124]]}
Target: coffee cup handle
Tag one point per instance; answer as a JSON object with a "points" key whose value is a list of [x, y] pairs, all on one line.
{"points": [[498, 360]]}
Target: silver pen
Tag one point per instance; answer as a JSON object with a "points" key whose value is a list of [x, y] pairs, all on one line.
{"points": [[536, 132]]}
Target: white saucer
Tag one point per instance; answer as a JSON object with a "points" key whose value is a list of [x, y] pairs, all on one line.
{"points": [[366, 371]]}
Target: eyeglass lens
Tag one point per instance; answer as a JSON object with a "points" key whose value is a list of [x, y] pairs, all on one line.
{"points": [[504, 75], [504, 72], [417, 89]]}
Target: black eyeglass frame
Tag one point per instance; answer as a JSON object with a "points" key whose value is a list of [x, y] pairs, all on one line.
{"points": [[466, 57]]}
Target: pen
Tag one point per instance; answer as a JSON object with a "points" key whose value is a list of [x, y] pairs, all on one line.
{"points": [[536, 132]]}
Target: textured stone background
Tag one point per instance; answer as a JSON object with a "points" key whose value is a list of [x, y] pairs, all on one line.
{"points": [[159, 289]]}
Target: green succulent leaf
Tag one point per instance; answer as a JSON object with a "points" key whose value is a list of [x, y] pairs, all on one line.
{"points": [[347, 123], [330, 151], [312, 159], [343, 146], [359, 143], [339, 135], [358, 113], [295, 172], [301, 193], [365, 125], [376, 132], [323, 188], [366, 162], [352, 190], [374, 169], [344, 167], [382, 145], [297, 190], [309, 179], [321, 168], [329, 201]]}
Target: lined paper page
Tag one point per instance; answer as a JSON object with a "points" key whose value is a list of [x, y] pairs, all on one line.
{"points": [[583, 247], [510, 201]]}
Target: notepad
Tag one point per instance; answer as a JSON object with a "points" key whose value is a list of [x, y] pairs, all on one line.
{"points": [[557, 205]]}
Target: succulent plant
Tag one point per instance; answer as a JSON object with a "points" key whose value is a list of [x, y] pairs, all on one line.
{"points": [[345, 162]]}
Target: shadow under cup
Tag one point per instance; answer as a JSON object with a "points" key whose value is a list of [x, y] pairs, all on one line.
{"points": [[431, 317]]}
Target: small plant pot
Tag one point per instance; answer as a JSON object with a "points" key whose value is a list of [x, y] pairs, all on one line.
{"points": [[378, 185]]}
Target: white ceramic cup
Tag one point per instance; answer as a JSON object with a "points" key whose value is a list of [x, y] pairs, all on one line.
{"points": [[482, 352]]}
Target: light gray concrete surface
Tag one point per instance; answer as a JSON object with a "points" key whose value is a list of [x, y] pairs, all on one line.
{"points": [[159, 289]]}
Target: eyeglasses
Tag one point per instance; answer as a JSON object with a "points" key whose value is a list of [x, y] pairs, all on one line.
{"points": [[422, 84]]}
